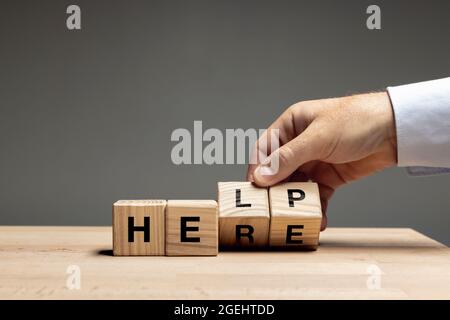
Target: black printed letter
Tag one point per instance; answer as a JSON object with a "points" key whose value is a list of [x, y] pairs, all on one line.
{"points": [[290, 234], [238, 200], [292, 198], [184, 229], [132, 229], [248, 234]]}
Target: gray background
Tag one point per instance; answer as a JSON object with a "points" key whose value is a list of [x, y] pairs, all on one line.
{"points": [[86, 116]]}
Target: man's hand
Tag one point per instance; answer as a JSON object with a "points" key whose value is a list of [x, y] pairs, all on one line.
{"points": [[331, 142]]}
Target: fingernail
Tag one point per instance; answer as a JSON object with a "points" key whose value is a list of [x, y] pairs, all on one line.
{"points": [[264, 171], [266, 161]]}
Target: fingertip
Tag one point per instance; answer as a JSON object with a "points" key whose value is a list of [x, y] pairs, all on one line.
{"points": [[323, 224], [264, 176], [258, 180]]}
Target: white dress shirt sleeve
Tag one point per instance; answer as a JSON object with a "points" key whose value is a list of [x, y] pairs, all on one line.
{"points": [[422, 119]]}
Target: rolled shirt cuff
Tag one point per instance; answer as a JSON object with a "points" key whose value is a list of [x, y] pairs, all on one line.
{"points": [[426, 171], [422, 119]]}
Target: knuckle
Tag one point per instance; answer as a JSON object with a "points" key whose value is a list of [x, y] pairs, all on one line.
{"points": [[305, 111], [294, 107]]}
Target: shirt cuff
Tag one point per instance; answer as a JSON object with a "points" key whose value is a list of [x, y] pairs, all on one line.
{"points": [[426, 171], [422, 119]]}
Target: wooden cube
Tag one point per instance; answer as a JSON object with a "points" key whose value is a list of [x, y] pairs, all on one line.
{"points": [[244, 215], [296, 215], [192, 228], [139, 228]]}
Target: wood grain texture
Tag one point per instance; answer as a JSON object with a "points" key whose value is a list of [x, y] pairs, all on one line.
{"points": [[303, 213], [255, 214], [138, 209], [208, 231], [34, 263]]}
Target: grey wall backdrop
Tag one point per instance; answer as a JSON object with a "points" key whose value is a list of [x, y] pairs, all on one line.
{"points": [[86, 116]]}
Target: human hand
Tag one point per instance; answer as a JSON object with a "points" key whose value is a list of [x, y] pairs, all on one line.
{"points": [[331, 142]]}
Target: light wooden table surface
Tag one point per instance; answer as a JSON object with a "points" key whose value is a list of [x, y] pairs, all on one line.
{"points": [[349, 264]]}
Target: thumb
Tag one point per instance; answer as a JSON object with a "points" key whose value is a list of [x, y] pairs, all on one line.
{"points": [[285, 160]]}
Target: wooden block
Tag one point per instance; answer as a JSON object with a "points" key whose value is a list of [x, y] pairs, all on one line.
{"points": [[138, 228], [244, 215], [191, 228], [296, 215]]}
